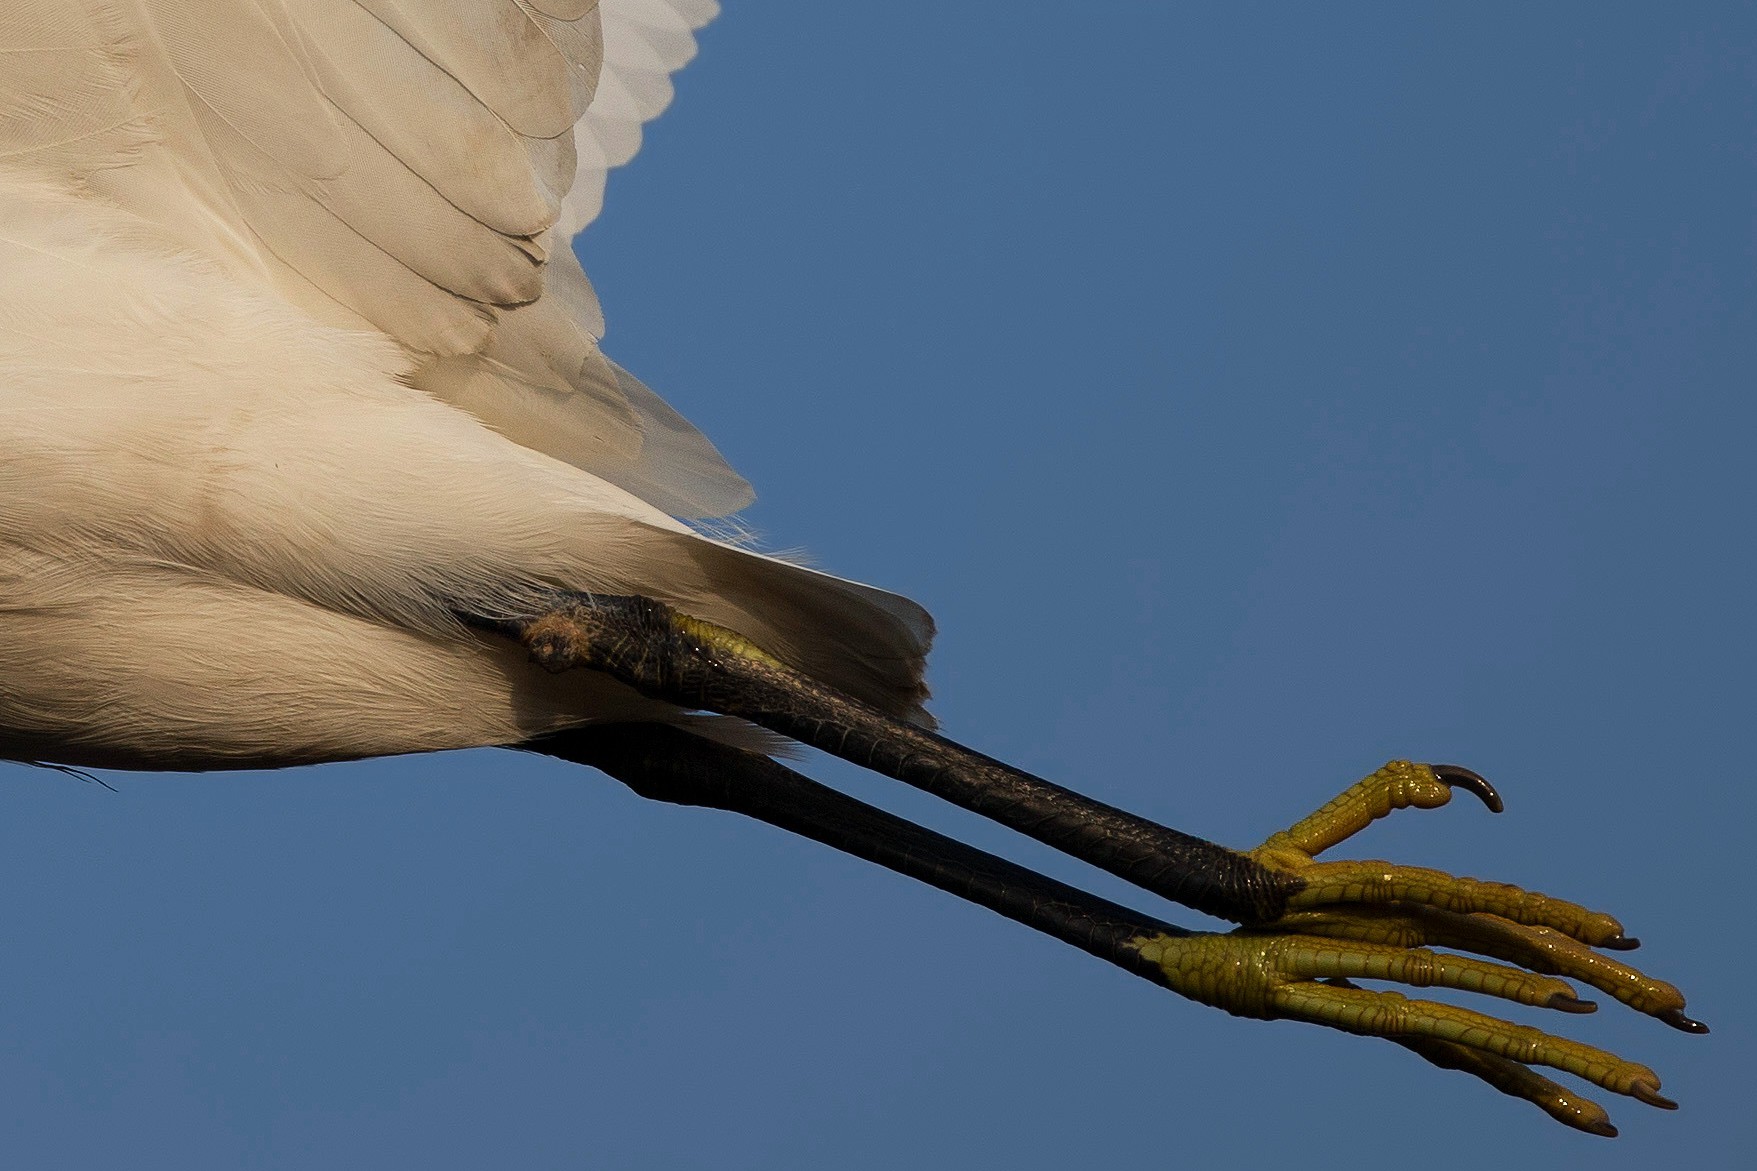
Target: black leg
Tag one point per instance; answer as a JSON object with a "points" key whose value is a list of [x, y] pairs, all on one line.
{"points": [[1312, 926], [670, 656], [668, 764], [1257, 972]]}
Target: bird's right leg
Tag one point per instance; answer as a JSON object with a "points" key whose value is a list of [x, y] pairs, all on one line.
{"points": [[670, 656]]}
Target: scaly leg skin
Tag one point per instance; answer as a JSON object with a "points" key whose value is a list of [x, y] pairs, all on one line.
{"points": [[1310, 926], [1370, 919]]}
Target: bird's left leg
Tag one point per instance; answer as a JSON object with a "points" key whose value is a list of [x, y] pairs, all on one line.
{"points": [[1264, 975], [1376, 916], [1386, 917], [1411, 906]]}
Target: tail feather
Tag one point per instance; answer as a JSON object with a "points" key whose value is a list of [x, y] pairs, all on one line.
{"points": [[864, 641]]}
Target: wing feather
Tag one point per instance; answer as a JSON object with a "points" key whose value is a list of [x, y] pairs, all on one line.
{"points": [[420, 166], [281, 109], [497, 50], [407, 218], [645, 41], [63, 90], [416, 165], [458, 145]]}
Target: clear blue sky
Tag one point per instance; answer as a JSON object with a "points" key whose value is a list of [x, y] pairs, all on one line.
{"points": [[1253, 398]]}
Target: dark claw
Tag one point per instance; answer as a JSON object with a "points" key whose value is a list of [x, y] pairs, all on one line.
{"points": [[1651, 1096], [1460, 777], [1676, 1019], [1621, 943], [1566, 1003]]}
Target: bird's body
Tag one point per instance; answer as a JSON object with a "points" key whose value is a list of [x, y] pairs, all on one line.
{"points": [[235, 527], [187, 587], [308, 453]]}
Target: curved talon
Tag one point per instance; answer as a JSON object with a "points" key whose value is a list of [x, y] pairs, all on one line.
{"points": [[1458, 777], [1398, 784], [1649, 1092], [1676, 1019], [1386, 914]]}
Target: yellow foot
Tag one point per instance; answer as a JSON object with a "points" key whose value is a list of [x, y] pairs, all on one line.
{"points": [[1373, 920]]}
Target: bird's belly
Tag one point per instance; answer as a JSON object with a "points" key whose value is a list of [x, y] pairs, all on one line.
{"points": [[231, 535], [132, 665]]}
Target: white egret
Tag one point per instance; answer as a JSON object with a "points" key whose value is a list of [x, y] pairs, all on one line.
{"points": [[310, 454]]}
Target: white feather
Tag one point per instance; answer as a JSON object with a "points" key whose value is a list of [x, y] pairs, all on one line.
{"points": [[645, 41], [279, 395]]}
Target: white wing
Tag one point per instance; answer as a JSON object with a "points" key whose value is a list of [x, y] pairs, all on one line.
{"points": [[414, 165], [645, 42]]}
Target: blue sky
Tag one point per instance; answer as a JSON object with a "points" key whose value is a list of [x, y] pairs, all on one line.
{"points": [[1252, 397]]}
